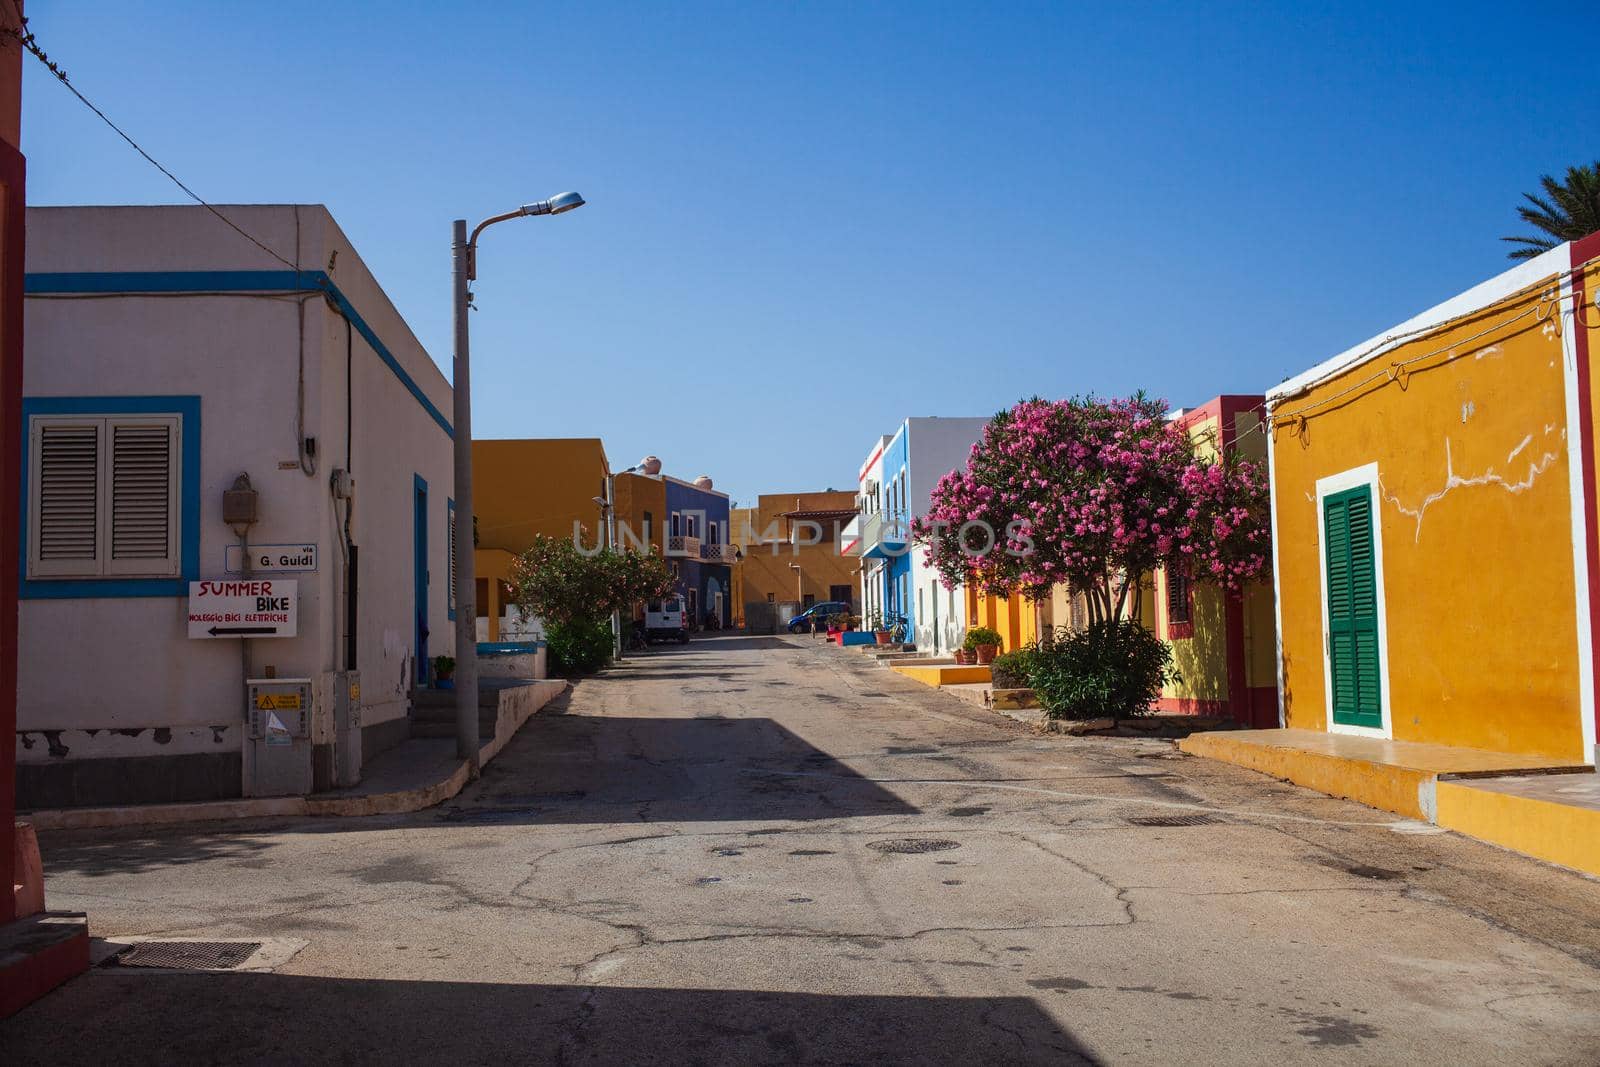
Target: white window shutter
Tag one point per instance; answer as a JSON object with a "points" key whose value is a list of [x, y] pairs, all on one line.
{"points": [[65, 537], [142, 497]]}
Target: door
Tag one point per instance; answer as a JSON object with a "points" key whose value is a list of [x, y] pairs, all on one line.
{"points": [[1355, 676], [694, 609], [419, 541]]}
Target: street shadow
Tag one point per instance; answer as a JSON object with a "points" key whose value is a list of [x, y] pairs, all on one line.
{"points": [[619, 770], [169, 1017], [131, 850]]}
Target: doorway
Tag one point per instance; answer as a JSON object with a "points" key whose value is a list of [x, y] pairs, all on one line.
{"points": [[419, 543]]}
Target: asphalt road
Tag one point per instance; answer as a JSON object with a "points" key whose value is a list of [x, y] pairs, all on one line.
{"points": [[762, 851]]}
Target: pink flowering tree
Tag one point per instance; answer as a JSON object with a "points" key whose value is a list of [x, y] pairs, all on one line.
{"points": [[1094, 493]]}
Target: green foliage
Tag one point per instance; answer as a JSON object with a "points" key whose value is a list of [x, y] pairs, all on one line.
{"points": [[578, 647], [1568, 210], [556, 582], [574, 594], [980, 635], [1113, 669], [444, 666], [1014, 670], [843, 620]]}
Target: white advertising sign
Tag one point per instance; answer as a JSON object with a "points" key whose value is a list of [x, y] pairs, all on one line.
{"points": [[230, 608], [271, 559]]}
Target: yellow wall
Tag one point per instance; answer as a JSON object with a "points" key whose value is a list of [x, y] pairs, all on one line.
{"points": [[541, 486], [1475, 518], [1015, 617], [765, 570], [492, 567], [639, 499]]}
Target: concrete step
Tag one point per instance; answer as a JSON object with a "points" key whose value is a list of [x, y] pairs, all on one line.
{"points": [[443, 728], [488, 697]]}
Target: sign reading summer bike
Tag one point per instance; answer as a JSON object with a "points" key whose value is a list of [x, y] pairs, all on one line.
{"points": [[268, 608]]}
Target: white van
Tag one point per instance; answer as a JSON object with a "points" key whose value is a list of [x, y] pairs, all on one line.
{"points": [[666, 620]]}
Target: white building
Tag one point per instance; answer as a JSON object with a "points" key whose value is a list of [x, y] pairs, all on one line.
{"points": [[896, 485], [166, 357]]}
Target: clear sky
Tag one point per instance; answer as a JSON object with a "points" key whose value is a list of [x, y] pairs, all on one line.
{"points": [[806, 222]]}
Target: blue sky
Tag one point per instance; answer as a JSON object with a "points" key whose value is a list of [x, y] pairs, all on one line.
{"points": [[809, 221]]}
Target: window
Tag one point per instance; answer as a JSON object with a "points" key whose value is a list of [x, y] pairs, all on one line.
{"points": [[1178, 599], [649, 519], [844, 594], [106, 492], [808, 599], [772, 598], [711, 533]]}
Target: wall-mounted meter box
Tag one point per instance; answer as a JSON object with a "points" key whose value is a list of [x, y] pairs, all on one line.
{"points": [[277, 755]]}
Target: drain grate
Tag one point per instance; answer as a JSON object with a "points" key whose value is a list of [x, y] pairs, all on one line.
{"points": [[912, 845], [1172, 820], [187, 955]]}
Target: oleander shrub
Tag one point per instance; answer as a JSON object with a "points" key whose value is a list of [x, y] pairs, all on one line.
{"points": [[581, 647], [1113, 669]]}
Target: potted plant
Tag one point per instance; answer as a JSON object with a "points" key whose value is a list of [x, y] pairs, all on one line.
{"points": [[444, 672], [880, 632], [984, 642]]}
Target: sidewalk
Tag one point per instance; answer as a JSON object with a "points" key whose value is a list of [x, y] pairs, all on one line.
{"points": [[413, 775], [1540, 806]]}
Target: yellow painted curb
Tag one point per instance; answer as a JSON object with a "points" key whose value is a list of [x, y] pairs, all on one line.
{"points": [[1558, 833], [945, 675], [1404, 790]]}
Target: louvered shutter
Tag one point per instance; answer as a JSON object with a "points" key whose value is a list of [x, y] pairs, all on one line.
{"points": [[1353, 662], [65, 507], [142, 497], [450, 521]]}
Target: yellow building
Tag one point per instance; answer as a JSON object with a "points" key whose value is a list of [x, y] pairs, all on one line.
{"points": [[525, 487], [1222, 643], [789, 544], [1015, 618], [1434, 522]]}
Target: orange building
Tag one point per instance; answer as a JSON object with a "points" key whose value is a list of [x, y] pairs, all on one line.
{"points": [[790, 559]]}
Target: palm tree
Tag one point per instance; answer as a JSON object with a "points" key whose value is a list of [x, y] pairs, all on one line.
{"points": [[1567, 211]]}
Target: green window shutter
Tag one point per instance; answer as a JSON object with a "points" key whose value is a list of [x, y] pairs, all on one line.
{"points": [[1352, 589]]}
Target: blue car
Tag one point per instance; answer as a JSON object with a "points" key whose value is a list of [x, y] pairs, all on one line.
{"points": [[815, 618]]}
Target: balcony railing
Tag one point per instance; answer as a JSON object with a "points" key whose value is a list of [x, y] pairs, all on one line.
{"points": [[850, 537], [681, 545], [717, 553], [882, 534]]}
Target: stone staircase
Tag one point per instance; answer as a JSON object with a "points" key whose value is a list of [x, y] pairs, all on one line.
{"points": [[433, 711]]}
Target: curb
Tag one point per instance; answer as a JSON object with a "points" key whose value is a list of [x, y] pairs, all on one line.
{"points": [[397, 802]]}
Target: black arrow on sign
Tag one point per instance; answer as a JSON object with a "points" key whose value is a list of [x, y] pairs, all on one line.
{"points": [[215, 630]]}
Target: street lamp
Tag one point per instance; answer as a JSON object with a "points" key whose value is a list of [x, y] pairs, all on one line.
{"points": [[464, 259]]}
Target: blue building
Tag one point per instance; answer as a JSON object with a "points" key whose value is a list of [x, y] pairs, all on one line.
{"points": [[895, 484], [698, 546]]}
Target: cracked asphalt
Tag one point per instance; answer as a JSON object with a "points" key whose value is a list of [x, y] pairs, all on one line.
{"points": [[759, 850]]}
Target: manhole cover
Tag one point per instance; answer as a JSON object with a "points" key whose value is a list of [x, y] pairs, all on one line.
{"points": [[1172, 820], [188, 955], [912, 845]]}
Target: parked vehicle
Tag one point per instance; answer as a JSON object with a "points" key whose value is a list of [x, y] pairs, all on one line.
{"points": [[666, 620], [815, 618]]}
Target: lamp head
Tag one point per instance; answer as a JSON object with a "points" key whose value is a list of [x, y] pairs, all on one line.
{"points": [[556, 205]]}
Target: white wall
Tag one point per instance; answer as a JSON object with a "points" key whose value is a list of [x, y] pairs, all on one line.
{"points": [[935, 447], [126, 663]]}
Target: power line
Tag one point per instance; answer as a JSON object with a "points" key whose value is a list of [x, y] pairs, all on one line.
{"points": [[26, 38]]}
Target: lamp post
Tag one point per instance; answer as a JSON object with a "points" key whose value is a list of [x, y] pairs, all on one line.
{"points": [[464, 259]]}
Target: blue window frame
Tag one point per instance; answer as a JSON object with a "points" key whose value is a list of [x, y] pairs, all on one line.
{"points": [[187, 410]]}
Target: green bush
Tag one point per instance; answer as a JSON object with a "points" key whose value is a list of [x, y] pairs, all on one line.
{"points": [[980, 635], [1014, 670], [578, 647], [1111, 670]]}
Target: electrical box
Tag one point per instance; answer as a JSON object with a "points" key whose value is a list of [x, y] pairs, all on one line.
{"points": [[347, 726], [277, 755], [239, 503]]}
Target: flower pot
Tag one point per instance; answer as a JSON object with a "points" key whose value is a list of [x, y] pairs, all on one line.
{"points": [[963, 657], [444, 683], [881, 636], [987, 653]]}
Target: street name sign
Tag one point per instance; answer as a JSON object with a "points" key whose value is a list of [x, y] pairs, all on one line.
{"points": [[271, 559], [229, 608]]}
